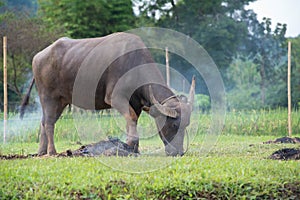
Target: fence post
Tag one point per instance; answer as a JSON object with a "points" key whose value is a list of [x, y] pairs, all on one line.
{"points": [[289, 91], [5, 87]]}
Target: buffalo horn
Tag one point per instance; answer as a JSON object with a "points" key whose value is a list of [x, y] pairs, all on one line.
{"points": [[165, 110], [192, 92]]}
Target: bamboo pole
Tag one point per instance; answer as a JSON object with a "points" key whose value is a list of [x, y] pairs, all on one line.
{"points": [[167, 68], [289, 91], [5, 86]]}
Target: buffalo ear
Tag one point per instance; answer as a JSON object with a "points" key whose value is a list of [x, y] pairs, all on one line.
{"points": [[154, 112], [183, 98], [158, 110]]}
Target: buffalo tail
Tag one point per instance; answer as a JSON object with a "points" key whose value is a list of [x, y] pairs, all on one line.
{"points": [[25, 100]]}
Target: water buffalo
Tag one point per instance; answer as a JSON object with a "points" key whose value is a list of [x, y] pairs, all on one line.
{"points": [[115, 71]]}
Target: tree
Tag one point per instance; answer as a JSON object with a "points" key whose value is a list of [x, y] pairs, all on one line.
{"points": [[155, 8], [296, 71], [121, 15], [214, 24], [26, 36], [245, 92], [81, 19], [19, 6], [269, 51], [266, 48], [227, 30]]}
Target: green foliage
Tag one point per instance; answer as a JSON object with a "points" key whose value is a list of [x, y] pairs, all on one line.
{"points": [[121, 15], [214, 24], [270, 55], [81, 19], [295, 71], [25, 37], [202, 102], [245, 93], [226, 29]]}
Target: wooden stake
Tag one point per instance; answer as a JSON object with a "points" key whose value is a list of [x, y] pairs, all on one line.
{"points": [[5, 86], [167, 68], [289, 91]]}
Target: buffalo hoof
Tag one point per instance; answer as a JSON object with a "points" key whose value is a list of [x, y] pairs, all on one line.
{"points": [[42, 153], [136, 148], [174, 154], [134, 145], [52, 153]]}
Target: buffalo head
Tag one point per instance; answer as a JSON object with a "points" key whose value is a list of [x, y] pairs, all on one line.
{"points": [[172, 116]]}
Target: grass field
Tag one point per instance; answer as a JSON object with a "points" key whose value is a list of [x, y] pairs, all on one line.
{"points": [[233, 165]]}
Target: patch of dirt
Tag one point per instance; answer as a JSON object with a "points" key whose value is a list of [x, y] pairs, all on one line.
{"points": [[294, 140], [16, 156], [286, 154], [109, 147]]}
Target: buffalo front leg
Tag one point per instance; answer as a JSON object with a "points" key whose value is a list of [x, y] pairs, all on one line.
{"points": [[132, 135], [131, 128], [131, 116]]}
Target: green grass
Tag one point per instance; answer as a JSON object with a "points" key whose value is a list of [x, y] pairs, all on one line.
{"points": [[233, 165], [236, 167], [91, 126], [262, 122]]}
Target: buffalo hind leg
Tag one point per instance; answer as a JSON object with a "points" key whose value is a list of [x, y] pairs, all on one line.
{"points": [[51, 113], [50, 136], [43, 140]]}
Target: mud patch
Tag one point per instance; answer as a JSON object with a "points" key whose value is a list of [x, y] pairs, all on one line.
{"points": [[14, 156], [109, 147], [285, 140], [286, 154]]}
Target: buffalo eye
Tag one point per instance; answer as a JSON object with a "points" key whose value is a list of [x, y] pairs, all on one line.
{"points": [[175, 125]]}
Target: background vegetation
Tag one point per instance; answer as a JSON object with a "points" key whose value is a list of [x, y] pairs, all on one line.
{"points": [[252, 60], [240, 45]]}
